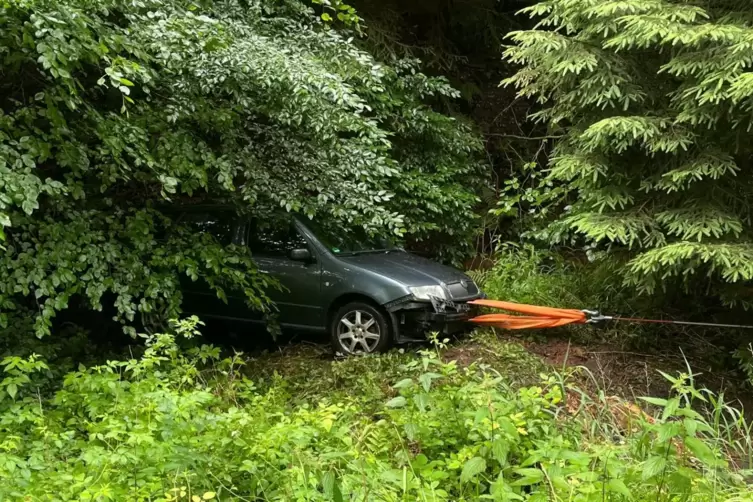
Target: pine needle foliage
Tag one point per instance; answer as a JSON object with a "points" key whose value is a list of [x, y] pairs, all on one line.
{"points": [[654, 99]]}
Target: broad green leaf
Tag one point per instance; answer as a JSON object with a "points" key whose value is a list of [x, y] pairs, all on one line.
{"points": [[422, 401], [681, 481], [615, 485], [411, 430], [500, 449], [529, 476], [472, 468], [668, 430], [337, 495], [406, 382], [655, 401], [654, 466], [508, 427], [691, 426], [559, 482], [426, 379], [328, 483], [397, 402], [672, 406], [701, 450]]}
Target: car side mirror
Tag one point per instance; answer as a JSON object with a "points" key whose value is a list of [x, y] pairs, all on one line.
{"points": [[301, 255]]}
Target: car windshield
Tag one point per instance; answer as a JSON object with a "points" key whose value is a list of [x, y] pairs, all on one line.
{"points": [[343, 241]]}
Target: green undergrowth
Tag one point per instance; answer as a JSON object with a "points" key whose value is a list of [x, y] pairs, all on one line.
{"points": [[465, 422], [524, 274], [308, 372]]}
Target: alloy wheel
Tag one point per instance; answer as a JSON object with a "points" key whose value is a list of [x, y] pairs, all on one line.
{"points": [[358, 331]]}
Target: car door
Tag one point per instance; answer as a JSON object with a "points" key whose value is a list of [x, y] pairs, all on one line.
{"points": [[198, 298], [272, 241]]}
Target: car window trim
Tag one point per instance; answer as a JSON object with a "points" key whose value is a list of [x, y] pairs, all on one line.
{"points": [[295, 226]]}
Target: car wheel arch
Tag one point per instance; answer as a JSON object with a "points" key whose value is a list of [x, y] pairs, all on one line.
{"points": [[357, 297]]}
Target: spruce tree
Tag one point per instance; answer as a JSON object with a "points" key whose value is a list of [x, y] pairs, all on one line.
{"points": [[654, 102]]}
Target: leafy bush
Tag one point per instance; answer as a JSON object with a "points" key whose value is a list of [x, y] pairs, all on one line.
{"points": [[113, 111], [175, 425], [525, 274], [651, 99]]}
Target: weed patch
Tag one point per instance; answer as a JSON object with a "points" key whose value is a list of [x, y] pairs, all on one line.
{"points": [[436, 425]]}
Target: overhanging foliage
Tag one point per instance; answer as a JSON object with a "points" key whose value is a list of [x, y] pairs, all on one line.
{"points": [[110, 107]]}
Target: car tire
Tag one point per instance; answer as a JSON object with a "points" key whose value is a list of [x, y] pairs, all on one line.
{"points": [[360, 328]]}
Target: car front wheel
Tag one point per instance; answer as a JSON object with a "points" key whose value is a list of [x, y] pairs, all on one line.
{"points": [[359, 328]]}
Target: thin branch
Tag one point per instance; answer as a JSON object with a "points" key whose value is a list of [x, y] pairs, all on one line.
{"points": [[623, 353], [512, 103], [531, 138]]}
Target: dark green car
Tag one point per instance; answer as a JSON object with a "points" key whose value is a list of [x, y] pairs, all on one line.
{"points": [[366, 293]]}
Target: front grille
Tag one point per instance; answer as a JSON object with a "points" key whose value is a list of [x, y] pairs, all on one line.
{"points": [[462, 289]]}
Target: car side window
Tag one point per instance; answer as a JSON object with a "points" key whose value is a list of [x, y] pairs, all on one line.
{"points": [[225, 227], [274, 238]]}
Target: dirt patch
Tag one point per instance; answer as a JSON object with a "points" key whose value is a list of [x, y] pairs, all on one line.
{"points": [[603, 368], [632, 374], [614, 371], [506, 356], [465, 355], [559, 353]]}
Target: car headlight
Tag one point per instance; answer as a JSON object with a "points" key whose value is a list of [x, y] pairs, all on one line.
{"points": [[426, 292]]}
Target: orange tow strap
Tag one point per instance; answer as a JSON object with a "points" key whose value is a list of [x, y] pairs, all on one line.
{"points": [[540, 317], [547, 317]]}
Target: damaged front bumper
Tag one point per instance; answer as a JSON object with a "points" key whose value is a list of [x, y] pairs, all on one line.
{"points": [[412, 319]]}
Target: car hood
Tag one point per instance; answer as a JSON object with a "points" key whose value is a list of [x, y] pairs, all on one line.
{"points": [[406, 268]]}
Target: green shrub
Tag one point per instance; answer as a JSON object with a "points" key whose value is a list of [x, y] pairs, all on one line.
{"points": [[188, 425], [524, 274], [114, 114]]}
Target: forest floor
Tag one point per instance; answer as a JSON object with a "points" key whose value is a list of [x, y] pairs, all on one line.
{"points": [[599, 367]]}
